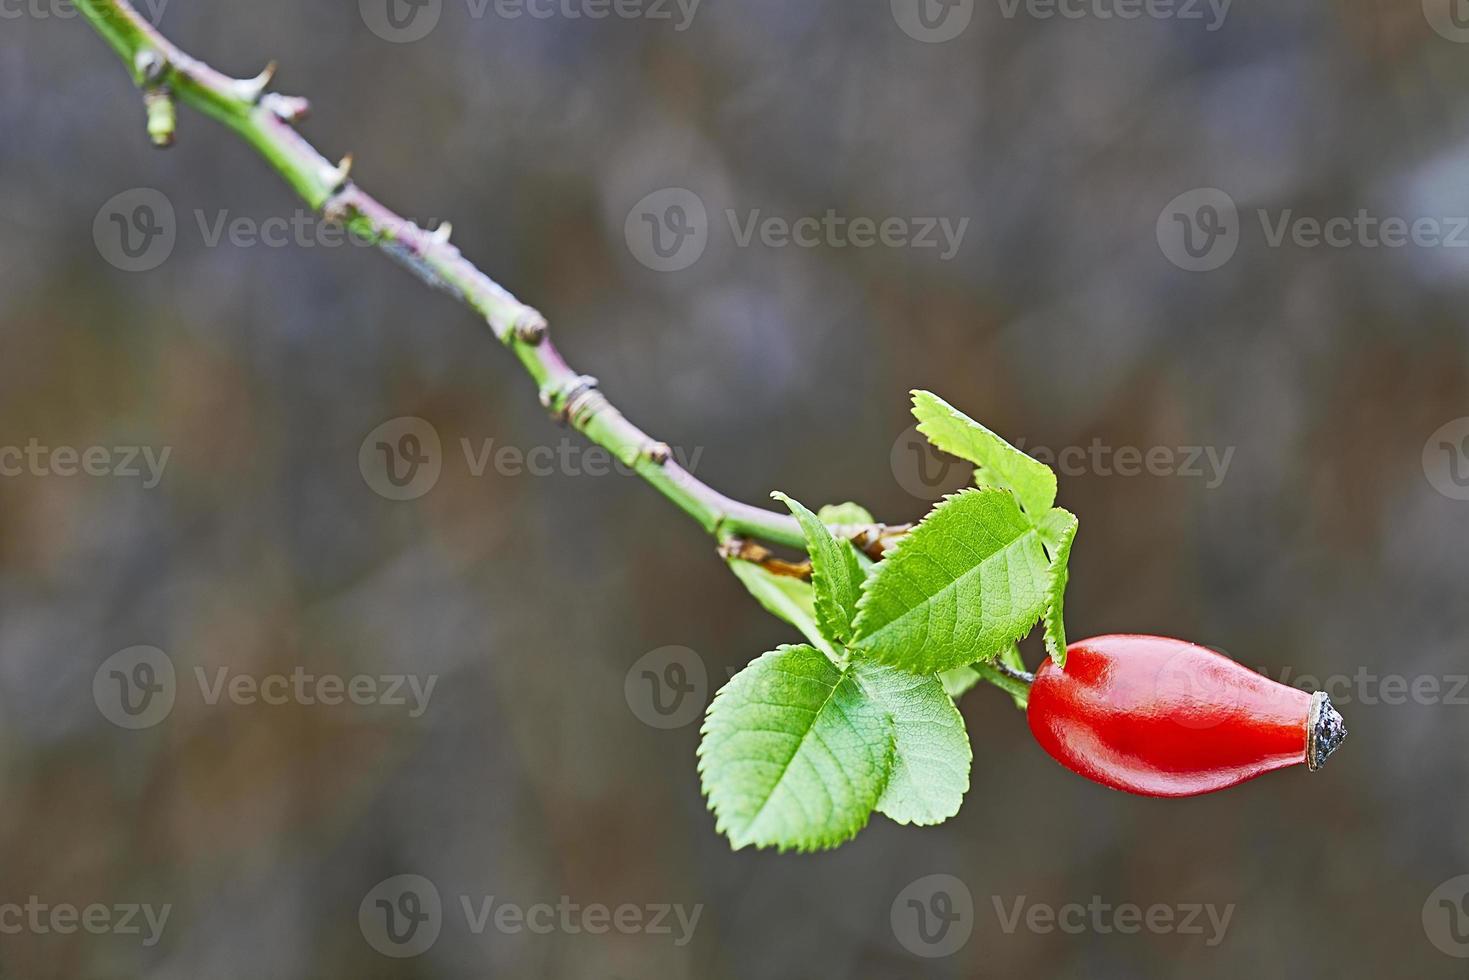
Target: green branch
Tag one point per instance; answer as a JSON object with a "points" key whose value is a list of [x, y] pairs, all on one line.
{"points": [[267, 120]]}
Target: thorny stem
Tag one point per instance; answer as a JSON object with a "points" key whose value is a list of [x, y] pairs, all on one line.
{"points": [[266, 121]]}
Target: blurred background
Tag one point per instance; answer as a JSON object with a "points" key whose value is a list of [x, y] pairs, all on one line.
{"points": [[1211, 259]]}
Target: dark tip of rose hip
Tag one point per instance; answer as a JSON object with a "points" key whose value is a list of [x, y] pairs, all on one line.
{"points": [[1326, 730]]}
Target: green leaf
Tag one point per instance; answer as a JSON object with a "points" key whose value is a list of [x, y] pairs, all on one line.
{"points": [[1055, 526], [958, 681], [931, 751], [848, 513], [997, 463], [794, 755], [784, 597], [1060, 532], [962, 586], [835, 574]]}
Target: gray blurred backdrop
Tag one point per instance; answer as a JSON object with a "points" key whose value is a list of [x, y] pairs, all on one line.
{"points": [[1137, 274]]}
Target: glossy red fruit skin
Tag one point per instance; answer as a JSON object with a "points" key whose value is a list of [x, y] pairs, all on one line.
{"points": [[1162, 717]]}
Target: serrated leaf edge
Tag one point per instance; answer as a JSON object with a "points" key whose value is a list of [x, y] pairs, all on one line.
{"points": [[906, 542], [1054, 613], [842, 834]]}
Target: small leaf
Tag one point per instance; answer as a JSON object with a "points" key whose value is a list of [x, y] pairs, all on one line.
{"points": [[794, 754], [997, 463], [962, 586], [1057, 524], [958, 681], [787, 598], [931, 751], [850, 514], [835, 574], [1062, 530], [1020, 691]]}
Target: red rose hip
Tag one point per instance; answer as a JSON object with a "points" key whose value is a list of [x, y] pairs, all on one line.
{"points": [[1161, 717]]}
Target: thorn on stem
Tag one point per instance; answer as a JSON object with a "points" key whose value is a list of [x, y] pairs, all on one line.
{"points": [[442, 233], [253, 89], [338, 177], [287, 108], [658, 453]]}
